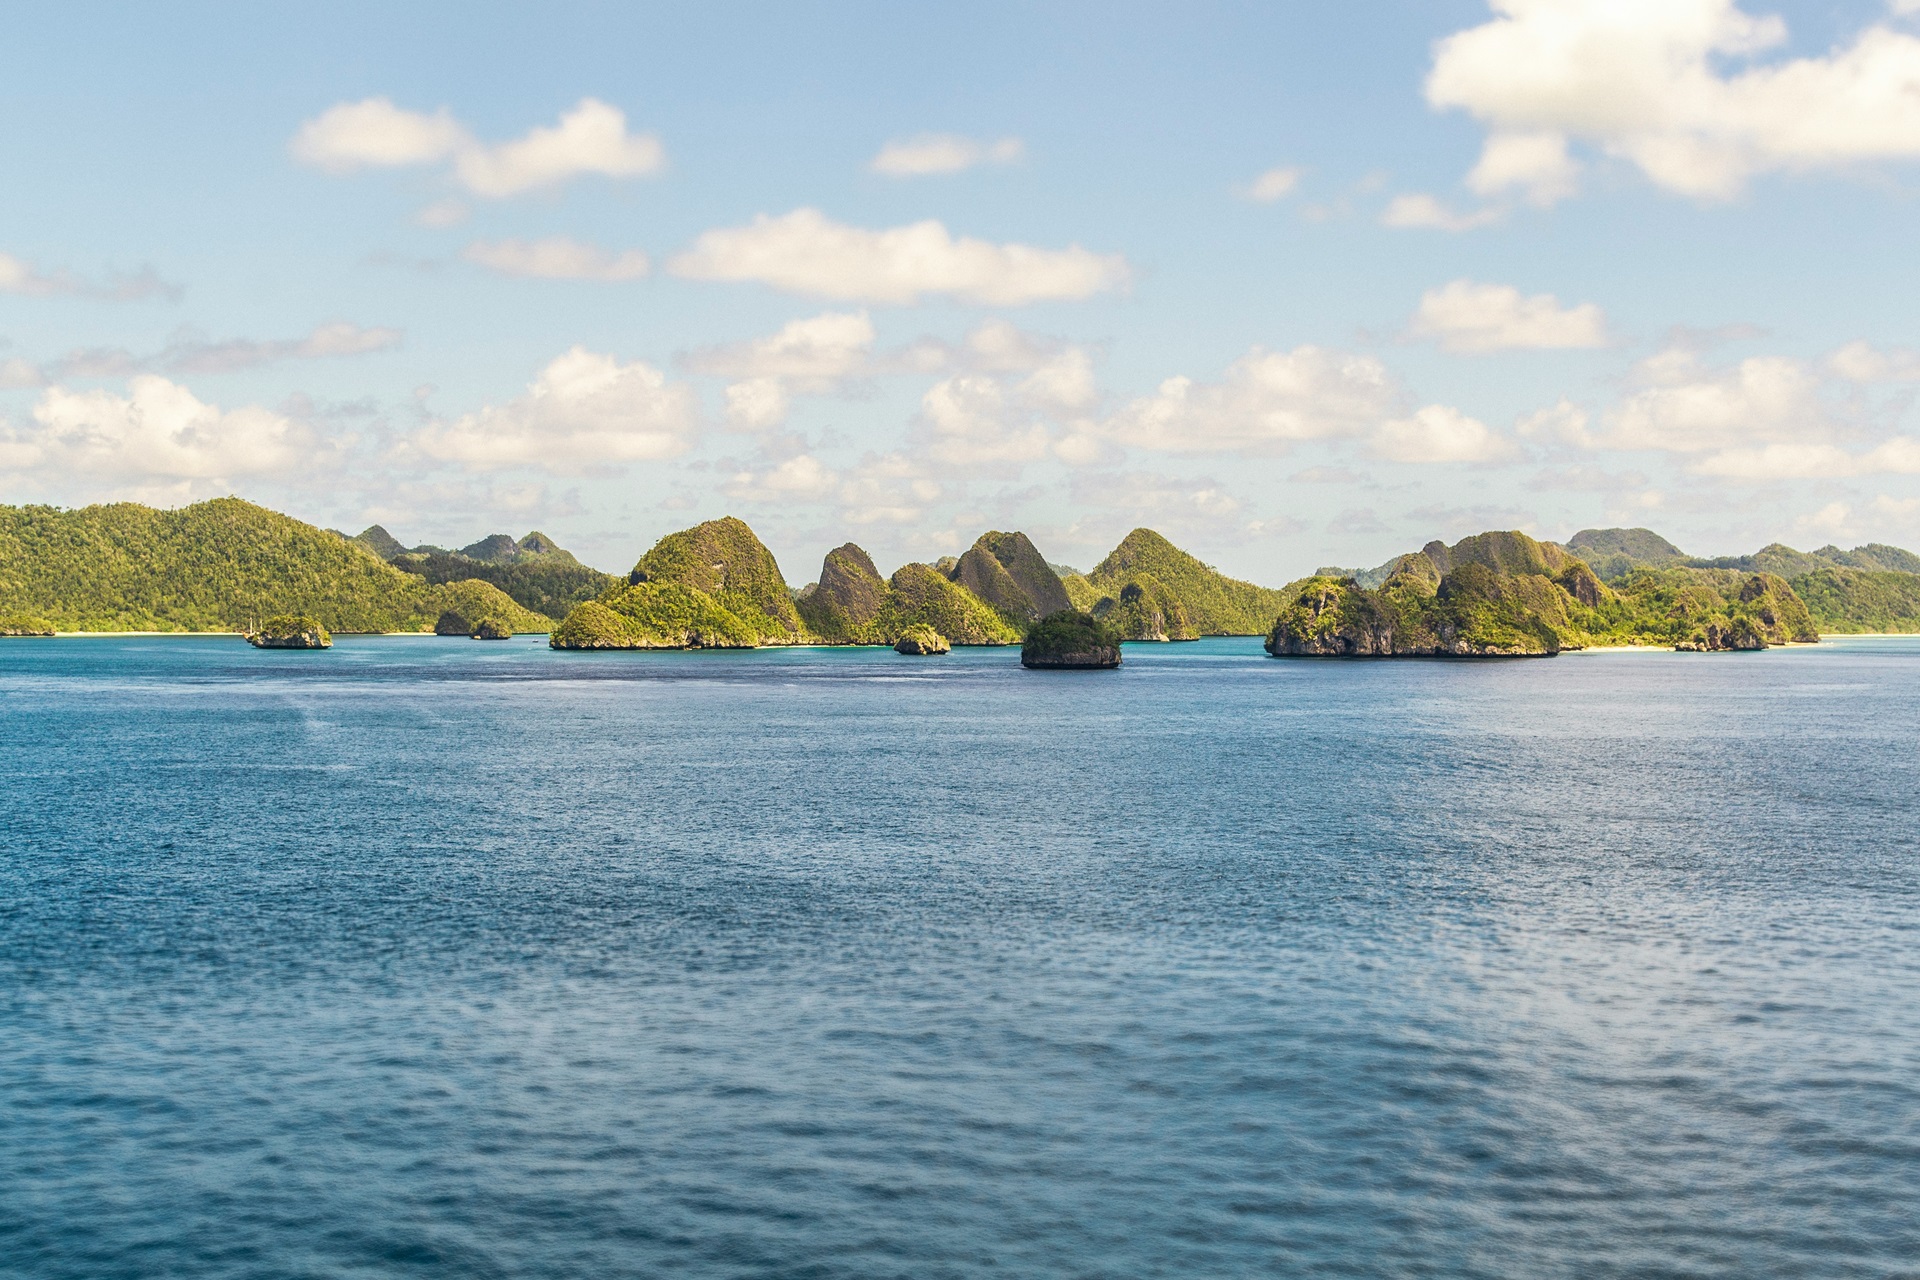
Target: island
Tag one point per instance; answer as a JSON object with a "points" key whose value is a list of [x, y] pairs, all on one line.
{"points": [[290, 631], [921, 640], [1070, 641]]}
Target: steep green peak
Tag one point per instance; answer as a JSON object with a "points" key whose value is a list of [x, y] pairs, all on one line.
{"points": [[723, 559], [537, 543], [845, 605], [1009, 573], [848, 561], [497, 547], [1504, 551], [1145, 549], [379, 541], [1642, 546], [718, 555]]}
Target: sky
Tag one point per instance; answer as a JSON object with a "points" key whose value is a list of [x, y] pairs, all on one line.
{"points": [[1295, 284]]}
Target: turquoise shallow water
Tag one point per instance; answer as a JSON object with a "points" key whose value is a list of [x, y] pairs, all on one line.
{"points": [[425, 957]]}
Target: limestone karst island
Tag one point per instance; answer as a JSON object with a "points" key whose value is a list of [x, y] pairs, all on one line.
{"points": [[230, 566]]}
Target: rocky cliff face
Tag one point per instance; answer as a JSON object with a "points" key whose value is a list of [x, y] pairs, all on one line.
{"points": [[917, 594], [1009, 573], [844, 606]]}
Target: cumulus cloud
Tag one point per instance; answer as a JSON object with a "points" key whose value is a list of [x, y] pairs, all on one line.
{"points": [[1267, 402], [21, 277], [971, 421], [374, 133], [1420, 211], [1863, 362], [159, 430], [557, 258], [1671, 87], [583, 412], [1686, 407], [1274, 185], [1760, 419], [932, 153], [806, 252], [814, 352], [1788, 460], [758, 404], [1476, 319], [800, 479], [890, 488], [1440, 433]]}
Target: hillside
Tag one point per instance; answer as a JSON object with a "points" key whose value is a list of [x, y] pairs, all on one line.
{"points": [[1858, 601], [1008, 572], [1504, 594], [1613, 553], [1147, 578], [844, 606], [212, 566], [723, 559]]}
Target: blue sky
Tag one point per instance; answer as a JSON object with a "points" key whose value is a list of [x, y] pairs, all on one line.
{"points": [[1295, 284]]}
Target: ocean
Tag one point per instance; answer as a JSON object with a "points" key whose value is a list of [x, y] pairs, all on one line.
{"points": [[431, 957]]}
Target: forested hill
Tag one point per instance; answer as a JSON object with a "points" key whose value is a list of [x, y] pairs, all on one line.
{"points": [[212, 566]]}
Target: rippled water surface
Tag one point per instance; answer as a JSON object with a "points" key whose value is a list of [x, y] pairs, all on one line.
{"points": [[425, 957]]}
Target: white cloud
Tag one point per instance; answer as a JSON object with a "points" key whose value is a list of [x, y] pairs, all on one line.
{"points": [[1659, 83], [1863, 362], [20, 277], [15, 372], [1565, 423], [758, 404], [583, 412], [1274, 185], [800, 479], [327, 340], [1534, 163], [1266, 402], [1685, 407], [1440, 433], [158, 430], [805, 252], [971, 423], [1422, 212], [557, 258], [931, 153], [814, 352], [1811, 461], [1480, 318], [590, 139]]}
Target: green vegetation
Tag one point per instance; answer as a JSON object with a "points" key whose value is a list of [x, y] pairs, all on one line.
{"points": [[463, 605], [1856, 601], [921, 641], [654, 615], [1503, 594], [1872, 588], [1070, 639], [212, 566], [1008, 572], [290, 631], [1613, 553], [844, 607], [1209, 603], [918, 594], [492, 628], [24, 624], [723, 559], [547, 586]]}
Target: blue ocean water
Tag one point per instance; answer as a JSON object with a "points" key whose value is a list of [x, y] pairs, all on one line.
{"points": [[424, 957]]}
